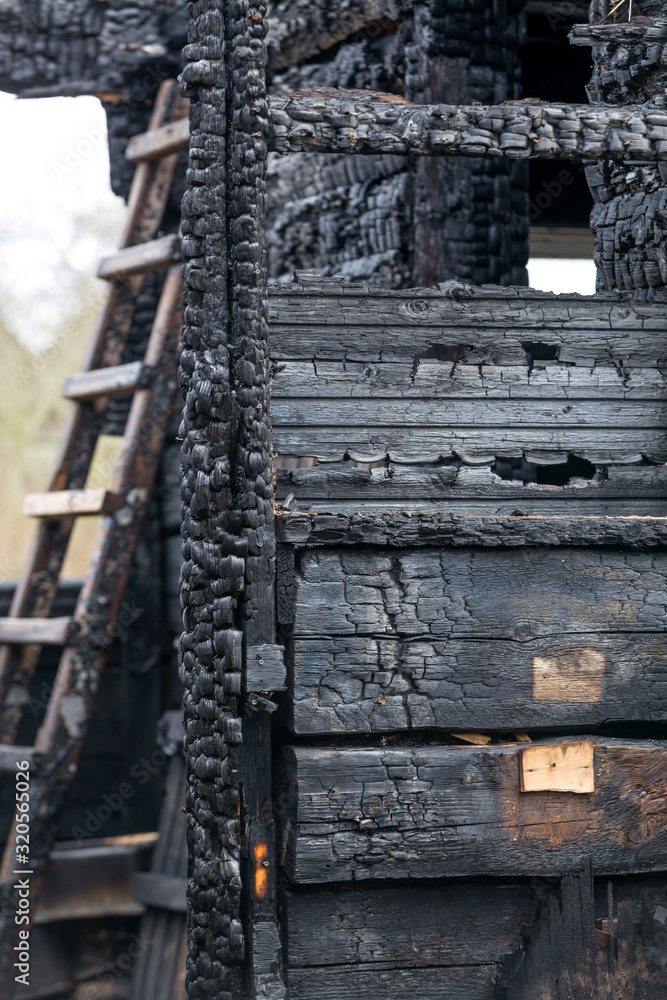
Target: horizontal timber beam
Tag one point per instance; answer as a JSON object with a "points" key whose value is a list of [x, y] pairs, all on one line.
{"points": [[335, 121], [404, 529], [446, 811]]}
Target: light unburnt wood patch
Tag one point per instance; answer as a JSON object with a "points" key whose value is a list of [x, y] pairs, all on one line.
{"points": [[573, 675], [564, 767]]}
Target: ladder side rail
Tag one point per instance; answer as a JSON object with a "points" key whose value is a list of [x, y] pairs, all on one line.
{"points": [[60, 738], [37, 585]]}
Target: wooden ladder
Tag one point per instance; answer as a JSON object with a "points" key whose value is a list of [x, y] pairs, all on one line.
{"points": [[53, 760]]}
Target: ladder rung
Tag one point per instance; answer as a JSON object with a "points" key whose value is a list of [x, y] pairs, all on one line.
{"points": [[11, 755], [162, 891], [41, 631], [172, 138], [68, 503], [141, 258], [113, 381]]}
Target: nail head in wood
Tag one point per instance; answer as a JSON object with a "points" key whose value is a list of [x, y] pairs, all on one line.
{"points": [[564, 767]]}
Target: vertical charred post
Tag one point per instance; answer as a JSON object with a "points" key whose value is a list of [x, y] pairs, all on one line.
{"points": [[629, 216], [470, 214], [229, 544]]}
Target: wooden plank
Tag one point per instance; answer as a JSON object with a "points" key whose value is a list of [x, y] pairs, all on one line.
{"points": [[118, 380], [434, 379], [85, 883], [156, 255], [344, 684], [165, 892], [151, 145], [328, 121], [71, 503], [403, 529], [368, 926], [438, 811], [44, 631], [562, 767], [333, 444], [335, 121], [390, 413], [472, 983], [11, 755], [453, 481], [463, 593]]}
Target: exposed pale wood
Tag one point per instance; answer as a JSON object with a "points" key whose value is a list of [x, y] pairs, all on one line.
{"points": [[171, 138], [71, 503], [115, 381], [141, 259], [402, 529], [433, 812], [45, 631], [562, 767]]}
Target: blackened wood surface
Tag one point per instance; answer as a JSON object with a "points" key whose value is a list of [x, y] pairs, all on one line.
{"points": [[369, 926], [464, 489], [351, 685], [466, 593], [430, 812], [229, 549], [456, 374], [403, 529], [331, 121], [436, 940]]}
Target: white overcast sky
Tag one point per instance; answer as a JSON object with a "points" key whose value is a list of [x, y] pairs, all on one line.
{"points": [[59, 215]]}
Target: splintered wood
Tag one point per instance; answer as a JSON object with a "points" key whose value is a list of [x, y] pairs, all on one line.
{"points": [[564, 767]]}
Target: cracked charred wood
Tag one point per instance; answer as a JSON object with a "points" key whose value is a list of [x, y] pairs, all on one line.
{"points": [[346, 685], [226, 487], [630, 211], [328, 121], [462, 594], [438, 811], [470, 216], [424, 639], [404, 529], [455, 373]]}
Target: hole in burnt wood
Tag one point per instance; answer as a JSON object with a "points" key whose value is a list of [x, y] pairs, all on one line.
{"points": [[453, 353], [544, 475], [539, 352]]}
